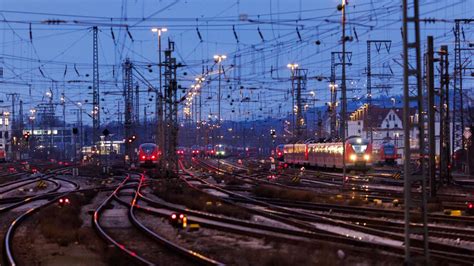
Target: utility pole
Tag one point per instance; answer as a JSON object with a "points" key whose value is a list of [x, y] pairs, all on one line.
{"points": [[431, 116], [160, 137], [342, 58], [378, 45], [20, 123], [413, 96], [458, 140], [95, 89], [171, 109], [81, 127], [218, 59], [344, 92], [63, 103], [137, 106], [444, 138], [128, 109], [301, 76], [293, 67], [14, 132]]}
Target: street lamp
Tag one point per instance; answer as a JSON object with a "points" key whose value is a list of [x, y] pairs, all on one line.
{"points": [[342, 8], [158, 100], [218, 59]]}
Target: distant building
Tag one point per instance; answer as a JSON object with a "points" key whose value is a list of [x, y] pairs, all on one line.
{"points": [[5, 132], [54, 142]]}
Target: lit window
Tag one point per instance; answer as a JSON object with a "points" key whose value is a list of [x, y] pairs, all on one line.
{"points": [[6, 121], [1, 120]]}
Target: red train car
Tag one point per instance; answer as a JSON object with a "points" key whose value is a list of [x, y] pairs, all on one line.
{"points": [[148, 154], [329, 155], [3, 155]]}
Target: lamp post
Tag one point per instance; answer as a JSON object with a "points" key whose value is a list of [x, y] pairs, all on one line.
{"points": [[158, 94], [293, 67], [218, 59], [342, 8]]}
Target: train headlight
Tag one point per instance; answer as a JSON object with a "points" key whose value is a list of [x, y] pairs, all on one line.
{"points": [[366, 157], [353, 157]]}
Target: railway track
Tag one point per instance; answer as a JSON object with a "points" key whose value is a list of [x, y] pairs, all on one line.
{"points": [[438, 250], [184, 254], [51, 198]]}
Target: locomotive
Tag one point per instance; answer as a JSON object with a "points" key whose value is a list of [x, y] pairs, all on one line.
{"points": [[148, 154]]}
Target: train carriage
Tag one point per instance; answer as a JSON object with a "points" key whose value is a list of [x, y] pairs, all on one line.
{"points": [[329, 155], [2, 155], [148, 154], [296, 153]]}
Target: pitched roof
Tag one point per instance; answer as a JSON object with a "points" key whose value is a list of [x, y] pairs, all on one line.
{"points": [[378, 114]]}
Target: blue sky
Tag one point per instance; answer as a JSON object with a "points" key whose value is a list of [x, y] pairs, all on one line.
{"points": [[254, 69]]}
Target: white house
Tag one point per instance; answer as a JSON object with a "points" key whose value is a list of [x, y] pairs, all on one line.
{"points": [[386, 125]]}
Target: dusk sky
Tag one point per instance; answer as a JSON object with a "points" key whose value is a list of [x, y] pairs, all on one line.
{"points": [[60, 56]]}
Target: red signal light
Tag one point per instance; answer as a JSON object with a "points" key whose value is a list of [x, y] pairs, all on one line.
{"points": [[173, 216], [470, 206]]}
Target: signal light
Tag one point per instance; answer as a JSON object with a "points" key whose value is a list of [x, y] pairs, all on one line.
{"points": [[470, 208], [179, 221], [132, 139], [64, 201], [26, 136]]}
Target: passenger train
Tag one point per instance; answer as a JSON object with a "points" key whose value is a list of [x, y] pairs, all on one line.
{"points": [[2, 155], [222, 150], [386, 154], [148, 154], [329, 155]]}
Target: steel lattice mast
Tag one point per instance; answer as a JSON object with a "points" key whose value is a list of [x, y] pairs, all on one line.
{"points": [[95, 88], [414, 174]]}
